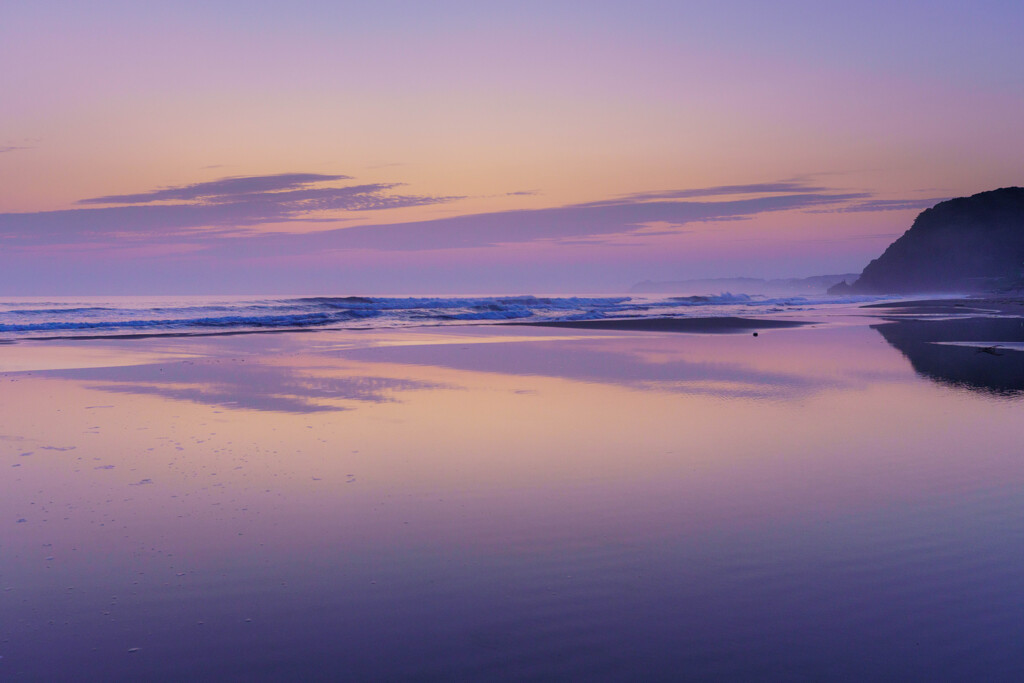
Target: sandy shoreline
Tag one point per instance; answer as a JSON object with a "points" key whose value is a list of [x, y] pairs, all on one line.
{"points": [[964, 306], [959, 306], [723, 325], [1002, 305]]}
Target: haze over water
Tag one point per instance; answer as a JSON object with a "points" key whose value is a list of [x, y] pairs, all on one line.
{"points": [[506, 503]]}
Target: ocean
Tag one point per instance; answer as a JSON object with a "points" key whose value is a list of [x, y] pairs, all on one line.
{"points": [[71, 317]]}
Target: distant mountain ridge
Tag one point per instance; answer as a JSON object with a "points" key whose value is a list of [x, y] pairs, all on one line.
{"points": [[969, 244], [817, 284]]}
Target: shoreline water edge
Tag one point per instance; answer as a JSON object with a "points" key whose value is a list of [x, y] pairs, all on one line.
{"points": [[97, 317], [50, 319]]}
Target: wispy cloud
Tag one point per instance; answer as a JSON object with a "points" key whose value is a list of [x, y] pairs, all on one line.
{"points": [[782, 187], [223, 190], [12, 148], [205, 210], [883, 205], [215, 215], [574, 222], [392, 164]]}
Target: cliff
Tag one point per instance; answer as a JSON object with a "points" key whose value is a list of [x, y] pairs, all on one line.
{"points": [[969, 244]]}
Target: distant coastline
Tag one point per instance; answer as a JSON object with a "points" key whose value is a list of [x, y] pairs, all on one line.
{"points": [[805, 286]]}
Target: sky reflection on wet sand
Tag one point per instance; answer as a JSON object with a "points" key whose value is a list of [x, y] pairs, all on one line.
{"points": [[499, 502]]}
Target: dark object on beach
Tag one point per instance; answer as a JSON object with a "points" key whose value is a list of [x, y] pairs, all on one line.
{"points": [[755, 334], [970, 244]]}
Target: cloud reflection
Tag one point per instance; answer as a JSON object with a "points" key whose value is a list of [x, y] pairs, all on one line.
{"points": [[658, 366], [246, 385]]}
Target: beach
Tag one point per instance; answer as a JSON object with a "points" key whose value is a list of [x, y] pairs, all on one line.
{"points": [[511, 341], [505, 502]]}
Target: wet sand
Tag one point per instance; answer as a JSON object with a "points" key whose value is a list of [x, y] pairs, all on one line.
{"points": [[510, 503], [970, 342], [968, 305], [723, 325]]}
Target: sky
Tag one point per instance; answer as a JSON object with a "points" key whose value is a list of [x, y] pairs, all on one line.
{"points": [[387, 147]]}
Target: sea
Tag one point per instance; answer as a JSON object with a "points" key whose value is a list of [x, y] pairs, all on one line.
{"points": [[78, 317]]}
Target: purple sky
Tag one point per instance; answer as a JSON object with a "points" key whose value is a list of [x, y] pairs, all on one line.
{"points": [[456, 147]]}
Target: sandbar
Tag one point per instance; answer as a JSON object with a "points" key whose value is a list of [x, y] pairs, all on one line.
{"points": [[1000, 305], [722, 325]]}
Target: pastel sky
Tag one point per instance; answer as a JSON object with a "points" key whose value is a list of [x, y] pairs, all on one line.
{"points": [[484, 147]]}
